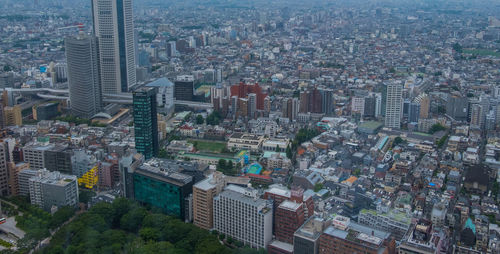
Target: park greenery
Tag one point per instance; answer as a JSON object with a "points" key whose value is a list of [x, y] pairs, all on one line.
{"points": [[36, 222], [78, 121], [126, 227], [304, 135], [436, 128], [214, 118], [227, 167]]}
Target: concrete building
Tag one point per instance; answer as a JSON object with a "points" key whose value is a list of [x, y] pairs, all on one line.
{"points": [[164, 95], [346, 237], [240, 214], [393, 222], [48, 189], [245, 141], [114, 28], [4, 170], [83, 75], [184, 88], [23, 182], [306, 238], [34, 154], [12, 116], [394, 104], [58, 158]]}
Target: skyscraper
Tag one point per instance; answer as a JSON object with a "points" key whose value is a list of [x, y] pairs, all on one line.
{"points": [[83, 74], [252, 105], [184, 88], [114, 28], [145, 122], [393, 105]]}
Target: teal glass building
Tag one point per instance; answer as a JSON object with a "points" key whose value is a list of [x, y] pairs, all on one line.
{"points": [[145, 122]]}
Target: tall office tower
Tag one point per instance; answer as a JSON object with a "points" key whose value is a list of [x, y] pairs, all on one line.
{"points": [[316, 101], [306, 238], [234, 105], [369, 107], [184, 88], [457, 108], [203, 196], [252, 105], [4, 170], [304, 101], [358, 105], [477, 116], [145, 122], [114, 28], [267, 105], [2, 115], [327, 101], [61, 71], [393, 105], [425, 104], [83, 75], [378, 104], [242, 215], [414, 112], [286, 108], [243, 107]]}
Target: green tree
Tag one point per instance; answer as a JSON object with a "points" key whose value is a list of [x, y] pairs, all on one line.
{"points": [[199, 119], [436, 128], [162, 153], [277, 149], [289, 153], [318, 187]]}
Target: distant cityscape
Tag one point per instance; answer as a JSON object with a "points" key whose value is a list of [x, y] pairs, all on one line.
{"points": [[281, 127]]}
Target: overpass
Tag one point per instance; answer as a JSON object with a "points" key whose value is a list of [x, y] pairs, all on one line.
{"points": [[125, 98]]}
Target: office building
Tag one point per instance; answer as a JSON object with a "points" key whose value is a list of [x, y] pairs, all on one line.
{"points": [[413, 112], [4, 170], [421, 239], [240, 214], [425, 104], [58, 158], [306, 238], [83, 75], [327, 105], [23, 182], [457, 108], [393, 222], [393, 105], [478, 118], [289, 216], [369, 108], [34, 154], [184, 88], [164, 95], [45, 111], [252, 105], [161, 184], [114, 28], [358, 106], [203, 195], [346, 237], [242, 90], [48, 189], [146, 122], [13, 116]]}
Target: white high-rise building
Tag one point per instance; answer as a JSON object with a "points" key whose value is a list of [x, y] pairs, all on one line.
{"points": [[242, 215], [83, 74], [114, 28], [394, 105]]}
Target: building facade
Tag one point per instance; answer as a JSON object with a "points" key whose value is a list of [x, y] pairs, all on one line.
{"points": [[146, 122], [83, 75], [114, 28], [240, 214]]}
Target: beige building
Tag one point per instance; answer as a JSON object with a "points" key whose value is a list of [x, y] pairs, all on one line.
{"points": [[203, 195], [13, 116], [244, 141], [14, 170]]}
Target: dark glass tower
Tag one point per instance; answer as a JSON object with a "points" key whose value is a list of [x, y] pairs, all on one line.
{"points": [[145, 122]]}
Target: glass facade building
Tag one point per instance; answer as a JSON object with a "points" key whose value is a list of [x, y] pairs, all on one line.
{"points": [[145, 122]]}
